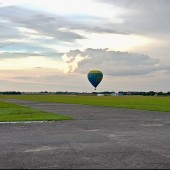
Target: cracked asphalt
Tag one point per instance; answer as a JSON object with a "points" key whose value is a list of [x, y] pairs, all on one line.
{"points": [[98, 138]]}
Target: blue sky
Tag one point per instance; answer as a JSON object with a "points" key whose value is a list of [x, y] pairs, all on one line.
{"points": [[52, 45]]}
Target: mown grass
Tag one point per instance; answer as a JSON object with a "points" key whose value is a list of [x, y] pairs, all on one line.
{"points": [[12, 112], [154, 103]]}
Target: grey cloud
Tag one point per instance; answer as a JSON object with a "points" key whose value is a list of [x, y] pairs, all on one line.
{"points": [[49, 79], [6, 55], [16, 55], [115, 63], [52, 25], [32, 46], [140, 17], [144, 17], [133, 4], [106, 29], [53, 55], [25, 78], [6, 31], [45, 24]]}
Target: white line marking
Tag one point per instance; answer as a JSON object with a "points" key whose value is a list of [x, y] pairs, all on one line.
{"points": [[152, 124], [24, 122]]}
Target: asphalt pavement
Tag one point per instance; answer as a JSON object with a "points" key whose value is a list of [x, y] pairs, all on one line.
{"points": [[98, 138]]}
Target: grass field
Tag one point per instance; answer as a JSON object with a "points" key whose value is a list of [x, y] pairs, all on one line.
{"points": [[12, 112], [154, 103]]}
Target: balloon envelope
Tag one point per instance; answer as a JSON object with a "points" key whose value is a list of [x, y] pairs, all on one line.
{"points": [[95, 77]]}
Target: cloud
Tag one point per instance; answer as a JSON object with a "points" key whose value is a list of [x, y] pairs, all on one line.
{"points": [[142, 17], [43, 24], [22, 55], [60, 28], [40, 79], [6, 31], [5, 55], [123, 70], [112, 63], [27, 30], [134, 17], [72, 62]]}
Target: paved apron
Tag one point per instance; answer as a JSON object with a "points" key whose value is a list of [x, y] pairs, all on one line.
{"points": [[99, 137]]}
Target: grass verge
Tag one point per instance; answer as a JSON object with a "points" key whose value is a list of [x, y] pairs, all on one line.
{"points": [[154, 103], [11, 112]]}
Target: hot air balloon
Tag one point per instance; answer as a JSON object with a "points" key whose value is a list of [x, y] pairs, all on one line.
{"points": [[95, 77]]}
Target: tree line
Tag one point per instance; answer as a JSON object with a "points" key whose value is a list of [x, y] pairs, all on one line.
{"points": [[11, 92], [150, 93]]}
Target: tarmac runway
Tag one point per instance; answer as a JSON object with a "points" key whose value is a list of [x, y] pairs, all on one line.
{"points": [[98, 138]]}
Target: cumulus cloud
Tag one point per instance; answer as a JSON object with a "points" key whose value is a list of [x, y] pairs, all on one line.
{"points": [[112, 63], [48, 73], [72, 62]]}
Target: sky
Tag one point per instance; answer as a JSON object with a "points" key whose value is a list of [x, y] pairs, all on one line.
{"points": [[51, 45]]}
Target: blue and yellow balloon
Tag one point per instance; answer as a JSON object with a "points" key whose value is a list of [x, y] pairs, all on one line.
{"points": [[95, 77]]}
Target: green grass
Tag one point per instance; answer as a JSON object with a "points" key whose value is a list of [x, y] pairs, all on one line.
{"points": [[11, 112], [154, 103]]}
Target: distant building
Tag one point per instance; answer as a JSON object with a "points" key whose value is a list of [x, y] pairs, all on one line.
{"points": [[114, 94], [100, 94]]}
